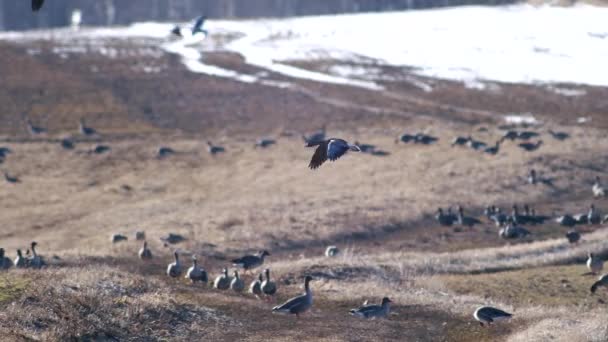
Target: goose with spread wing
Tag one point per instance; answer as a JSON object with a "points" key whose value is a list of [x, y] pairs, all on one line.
{"points": [[331, 149]]}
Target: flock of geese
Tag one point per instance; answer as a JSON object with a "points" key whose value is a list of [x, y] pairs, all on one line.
{"points": [[332, 149]]}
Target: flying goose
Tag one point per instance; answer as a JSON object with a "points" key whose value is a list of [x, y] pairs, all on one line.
{"points": [[11, 179], [174, 269], [597, 188], [595, 264], [493, 150], [213, 150], [530, 147], [237, 284], [269, 287], [460, 141], [602, 281], [222, 282], [35, 260], [465, 220], [249, 262], [37, 4], [593, 217], [5, 263], [331, 149], [20, 260], [331, 251], [34, 130], [198, 25], [84, 129], [297, 305], [145, 253], [488, 315], [196, 273], [264, 142], [573, 236], [373, 311], [255, 288], [561, 136]]}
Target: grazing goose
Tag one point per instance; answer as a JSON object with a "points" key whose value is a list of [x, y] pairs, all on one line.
{"points": [[573, 236], [532, 177], [460, 141], [561, 136], [499, 218], [172, 238], [177, 31], [581, 218], [526, 135], [115, 238], [595, 264], [365, 148], [331, 251], [35, 260], [20, 260], [144, 252], [405, 138], [593, 217], [34, 130], [493, 150], [566, 220], [264, 142], [5, 151], [67, 144], [373, 311], [269, 287], [530, 147], [174, 269], [331, 149], [164, 152], [602, 281], [37, 5], [476, 144], [11, 179], [196, 273], [140, 235], [488, 315], [444, 219], [597, 188], [100, 149], [297, 305], [84, 129], [249, 262], [213, 150], [222, 282], [425, 139], [255, 288], [5, 263], [198, 25], [510, 135], [237, 284], [511, 231], [316, 137], [465, 220]]}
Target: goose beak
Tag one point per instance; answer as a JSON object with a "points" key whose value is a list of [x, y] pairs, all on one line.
{"points": [[354, 148]]}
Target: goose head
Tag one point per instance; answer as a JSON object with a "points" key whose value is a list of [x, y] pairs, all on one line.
{"points": [[225, 272], [386, 301], [263, 253], [267, 273], [236, 274]]}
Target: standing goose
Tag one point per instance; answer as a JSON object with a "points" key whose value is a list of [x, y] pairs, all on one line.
{"points": [[595, 264], [530, 147], [373, 311], [67, 144], [34, 130], [255, 288], [19, 260], [4, 151], [269, 288], [331, 149], [593, 217], [573, 236], [465, 220], [84, 129], [488, 315], [598, 189], [195, 273], [566, 220], [37, 5], [532, 177], [297, 305], [222, 282], [213, 150], [174, 269], [35, 260], [237, 283], [444, 219], [5, 263], [249, 262], [602, 281], [145, 253]]}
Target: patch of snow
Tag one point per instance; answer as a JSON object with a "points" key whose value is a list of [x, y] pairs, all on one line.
{"points": [[521, 119], [582, 120], [570, 92]]}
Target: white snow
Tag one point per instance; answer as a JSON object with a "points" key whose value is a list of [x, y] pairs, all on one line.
{"points": [[470, 44], [521, 119]]}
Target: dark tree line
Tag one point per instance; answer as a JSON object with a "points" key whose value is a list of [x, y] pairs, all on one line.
{"points": [[16, 14]]}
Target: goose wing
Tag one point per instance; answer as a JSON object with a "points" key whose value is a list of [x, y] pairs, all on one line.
{"points": [[294, 305], [246, 261], [336, 149], [366, 310], [320, 156]]}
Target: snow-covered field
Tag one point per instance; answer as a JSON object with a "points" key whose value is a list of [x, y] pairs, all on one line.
{"points": [[517, 44]]}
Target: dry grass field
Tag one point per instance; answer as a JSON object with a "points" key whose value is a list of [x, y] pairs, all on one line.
{"points": [[377, 209]]}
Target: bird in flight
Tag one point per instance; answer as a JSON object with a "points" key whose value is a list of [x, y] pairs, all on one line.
{"points": [[37, 4], [331, 149], [198, 25]]}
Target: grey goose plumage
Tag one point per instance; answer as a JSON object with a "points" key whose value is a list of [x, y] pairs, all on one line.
{"points": [[299, 304], [255, 288], [249, 262], [195, 273], [331, 149], [174, 269], [601, 282], [5, 263], [488, 315], [222, 282], [373, 311], [269, 287], [237, 284], [144, 252]]}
